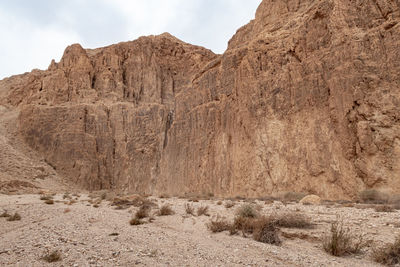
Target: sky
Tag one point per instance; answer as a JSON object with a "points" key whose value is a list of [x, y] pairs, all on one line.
{"points": [[35, 32]]}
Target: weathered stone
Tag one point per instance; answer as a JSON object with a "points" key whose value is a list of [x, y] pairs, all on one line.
{"points": [[305, 99]]}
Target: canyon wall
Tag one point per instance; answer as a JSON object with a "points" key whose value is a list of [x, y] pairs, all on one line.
{"points": [[306, 98]]}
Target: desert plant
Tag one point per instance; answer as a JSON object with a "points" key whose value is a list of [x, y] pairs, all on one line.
{"points": [[46, 197], [229, 204], [189, 209], [135, 221], [165, 210], [203, 210], [247, 211], [244, 224], [389, 254], [143, 212], [384, 208], [219, 202], [341, 241], [373, 196], [52, 257], [49, 202], [5, 214], [219, 225], [15, 217], [292, 220], [265, 231]]}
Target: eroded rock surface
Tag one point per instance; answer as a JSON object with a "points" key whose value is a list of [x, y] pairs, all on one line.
{"points": [[306, 98]]}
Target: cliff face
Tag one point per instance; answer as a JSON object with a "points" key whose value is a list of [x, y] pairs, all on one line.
{"points": [[306, 98]]}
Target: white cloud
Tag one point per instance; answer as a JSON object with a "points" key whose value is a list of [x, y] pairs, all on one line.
{"points": [[33, 35]]}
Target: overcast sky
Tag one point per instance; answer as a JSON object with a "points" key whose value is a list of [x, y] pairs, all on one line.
{"points": [[34, 32]]}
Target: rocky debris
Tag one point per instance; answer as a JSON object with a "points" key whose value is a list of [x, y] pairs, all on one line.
{"points": [[83, 236], [305, 99]]}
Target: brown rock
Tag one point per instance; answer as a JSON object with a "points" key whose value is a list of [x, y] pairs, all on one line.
{"points": [[304, 99]]}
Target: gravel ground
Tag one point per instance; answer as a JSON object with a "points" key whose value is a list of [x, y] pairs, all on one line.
{"points": [[83, 235]]}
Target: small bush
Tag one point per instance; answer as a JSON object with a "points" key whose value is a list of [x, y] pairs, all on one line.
{"points": [[247, 211], [203, 210], [342, 242], [15, 217], [189, 209], [384, 208], [135, 221], [5, 214], [165, 210], [244, 224], [52, 257], [292, 220], [373, 196], [143, 212], [46, 197], [229, 204], [389, 254], [49, 202], [219, 202], [265, 231], [219, 225]]}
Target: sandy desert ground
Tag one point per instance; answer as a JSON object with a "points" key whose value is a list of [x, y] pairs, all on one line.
{"points": [[102, 236]]}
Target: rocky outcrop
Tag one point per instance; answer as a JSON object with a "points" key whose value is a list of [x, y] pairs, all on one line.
{"points": [[305, 99]]}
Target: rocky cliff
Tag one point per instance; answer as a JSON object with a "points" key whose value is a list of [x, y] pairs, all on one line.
{"points": [[306, 98]]}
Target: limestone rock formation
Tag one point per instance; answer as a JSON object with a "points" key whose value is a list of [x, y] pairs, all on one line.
{"points": [[306, 98]]}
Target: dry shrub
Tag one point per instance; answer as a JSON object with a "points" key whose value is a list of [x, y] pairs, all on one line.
{"points": [[49, 202], [189, 209], [247, 211], [46, 197], [294, 196], [389, 254], [244, 224], [229, 204], [219, 202], [292, 220], [303, 236], [52, 257], [5, 214], [342, 241], [165, 210], [66, 196], [203, 210], [373, 196], [15, 217], [384, 208], [143, 212], [135, 221], [219, 225], [265, 231]]}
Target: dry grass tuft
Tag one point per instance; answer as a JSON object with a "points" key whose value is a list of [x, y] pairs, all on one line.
{"points": [[135, 221], [165, 210], [342, 242], [373, 196], [49, 202], [265, 231], [15, 217], [189, 209], [5, 214], [52, 257], [219, 225], [229, 204], [219, 202], [292, 220], [46, 197], [389, 254], [143, 212], [247, 211], [203, 210], [384, 208]]}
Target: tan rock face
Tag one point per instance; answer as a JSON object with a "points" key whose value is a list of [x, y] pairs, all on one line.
{"points": [[305, 99]]}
